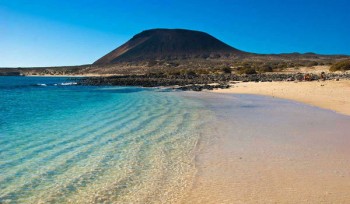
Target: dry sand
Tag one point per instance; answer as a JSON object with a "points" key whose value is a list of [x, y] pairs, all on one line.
{"points": [[333, 95]]}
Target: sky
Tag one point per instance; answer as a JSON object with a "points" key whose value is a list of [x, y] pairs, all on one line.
{"points": [[76, 32]]}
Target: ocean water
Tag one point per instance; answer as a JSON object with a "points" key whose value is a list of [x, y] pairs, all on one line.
{"points": [[61, 143]]}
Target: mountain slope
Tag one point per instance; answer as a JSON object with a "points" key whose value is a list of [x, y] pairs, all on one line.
{"points": [[168, 44]]}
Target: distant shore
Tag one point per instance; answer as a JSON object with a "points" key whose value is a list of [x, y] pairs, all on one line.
{"points": [[330, 94]]}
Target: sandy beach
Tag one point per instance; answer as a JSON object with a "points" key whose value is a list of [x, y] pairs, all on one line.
{"points": [[332, 95], [261, 149]]}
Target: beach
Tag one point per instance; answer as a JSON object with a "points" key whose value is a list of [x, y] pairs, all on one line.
{"points": [[158, 145], [261, 149], [330, 94], [277, 150], [175, 102]]}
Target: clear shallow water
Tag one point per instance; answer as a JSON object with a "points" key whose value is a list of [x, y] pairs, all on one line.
{"points": [[61, 143]]}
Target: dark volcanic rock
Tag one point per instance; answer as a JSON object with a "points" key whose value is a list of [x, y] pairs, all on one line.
{"points": [[198, 82], [168, 44], [194, 83], [10, 73]]}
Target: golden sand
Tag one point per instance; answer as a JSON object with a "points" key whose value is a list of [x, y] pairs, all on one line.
{"points": [[333, 95]]}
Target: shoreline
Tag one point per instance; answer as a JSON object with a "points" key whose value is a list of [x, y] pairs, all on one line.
{"points": [[332, 95], [250, 149]]}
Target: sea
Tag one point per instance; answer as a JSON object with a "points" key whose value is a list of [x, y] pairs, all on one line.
{"points": [[64, 143]]}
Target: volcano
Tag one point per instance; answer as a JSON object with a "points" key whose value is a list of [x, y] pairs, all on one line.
{"points": [[158, 44]]}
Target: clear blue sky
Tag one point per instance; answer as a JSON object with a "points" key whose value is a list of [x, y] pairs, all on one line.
{"points": [[74, 32]]}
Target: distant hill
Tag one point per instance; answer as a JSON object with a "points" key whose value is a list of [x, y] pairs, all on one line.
{"points": [[168, 44]]}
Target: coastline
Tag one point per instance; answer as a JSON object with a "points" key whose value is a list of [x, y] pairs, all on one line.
{"points": [[330, 94], [250, 149]]}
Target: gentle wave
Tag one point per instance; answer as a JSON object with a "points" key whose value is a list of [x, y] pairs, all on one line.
{"points": [[68, 83]]}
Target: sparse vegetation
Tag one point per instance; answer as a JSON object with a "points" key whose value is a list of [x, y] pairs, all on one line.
{"points": [[227, 70], [175, 67], [191, 73], [340, 66], [246, 70], [265, 68], [311, 64]]}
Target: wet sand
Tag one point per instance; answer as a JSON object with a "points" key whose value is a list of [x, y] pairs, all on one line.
{"points": [[266, 150], [333, 95]]}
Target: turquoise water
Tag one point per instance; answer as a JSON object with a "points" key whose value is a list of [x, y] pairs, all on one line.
{"points": [[62, 143]]}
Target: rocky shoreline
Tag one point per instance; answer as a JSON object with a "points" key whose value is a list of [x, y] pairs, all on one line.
{"points": [[202, 82]]}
